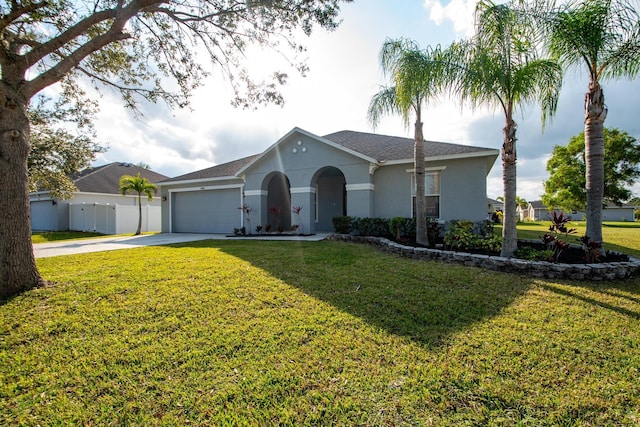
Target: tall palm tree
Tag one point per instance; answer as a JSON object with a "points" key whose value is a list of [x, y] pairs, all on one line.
{"points": [[500, 67], [417, 77], [139, 185], [604, 37]]}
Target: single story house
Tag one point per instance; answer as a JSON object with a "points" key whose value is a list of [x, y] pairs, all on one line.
{"points": [[344, 173], [537, 211], [534, 211], [97, 204], [494, 205], [622, 212]]}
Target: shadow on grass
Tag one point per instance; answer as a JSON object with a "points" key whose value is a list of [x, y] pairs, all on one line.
{"points": [[420, 300], [611, 291], [622, 249]]}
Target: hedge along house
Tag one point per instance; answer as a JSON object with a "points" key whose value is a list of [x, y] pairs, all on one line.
{"points": [[344, 173]]}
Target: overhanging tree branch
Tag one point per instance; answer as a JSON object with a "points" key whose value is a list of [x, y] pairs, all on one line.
{"points": [[18, 10]]}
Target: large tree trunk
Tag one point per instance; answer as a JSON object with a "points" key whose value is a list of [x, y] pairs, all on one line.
{"points": [[509, 231], [595, 115], [18, 271], [421, 203]]}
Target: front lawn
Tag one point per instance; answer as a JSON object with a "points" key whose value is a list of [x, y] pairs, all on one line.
{"points": [[315, 333]]}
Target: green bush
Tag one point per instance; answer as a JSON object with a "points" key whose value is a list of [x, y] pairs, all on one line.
{"points": [[404, 228], [465, 235], [396, 225], [533, 254], [378, 227], [342, 224]]}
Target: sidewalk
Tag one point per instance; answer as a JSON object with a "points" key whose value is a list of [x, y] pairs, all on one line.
{"points": [[71, 247]]}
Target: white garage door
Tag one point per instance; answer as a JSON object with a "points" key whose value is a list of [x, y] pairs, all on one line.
{"points": [[206, 211], [44, 216]]}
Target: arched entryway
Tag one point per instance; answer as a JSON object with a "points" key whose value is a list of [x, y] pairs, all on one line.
{"points": [[278, 202], [331, 197]]}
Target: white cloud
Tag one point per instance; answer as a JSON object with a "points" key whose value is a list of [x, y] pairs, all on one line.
{"points": [[458, 12]]}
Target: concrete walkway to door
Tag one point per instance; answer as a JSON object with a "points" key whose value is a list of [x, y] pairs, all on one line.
{"points": [[100, 244]]}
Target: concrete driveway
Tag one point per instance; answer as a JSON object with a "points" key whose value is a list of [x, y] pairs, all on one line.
{"points": [[71, 247]]}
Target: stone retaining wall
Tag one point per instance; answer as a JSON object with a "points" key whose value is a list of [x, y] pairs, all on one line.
{"points": [[541, 269]]}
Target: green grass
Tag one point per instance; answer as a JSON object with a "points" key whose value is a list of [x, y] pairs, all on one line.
{"points": [[315, 333], [53, 236], [618, 236]]}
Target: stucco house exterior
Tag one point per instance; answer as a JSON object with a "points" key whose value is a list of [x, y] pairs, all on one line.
{"points": [[97, 205], [343, 173]]}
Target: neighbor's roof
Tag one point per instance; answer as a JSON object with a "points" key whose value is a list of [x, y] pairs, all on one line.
{"points": [[105, 179], [381, 148], [537, 204]]}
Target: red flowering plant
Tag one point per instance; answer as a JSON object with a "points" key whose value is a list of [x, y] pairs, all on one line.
{"points": [[246, 210], [275, 210], [557, 230], [296, 210]]}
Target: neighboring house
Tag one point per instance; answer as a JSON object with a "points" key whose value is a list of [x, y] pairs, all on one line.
{"points": [[493, 206], [97, 205], [537, 211], [344, 173], [613, 212]]}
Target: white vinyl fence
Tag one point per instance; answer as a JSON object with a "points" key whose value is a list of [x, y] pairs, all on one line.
{"points": [[112, 219]]}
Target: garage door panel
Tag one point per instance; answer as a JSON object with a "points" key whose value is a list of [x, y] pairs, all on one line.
{"points": [[44, 216], [206, 211]]}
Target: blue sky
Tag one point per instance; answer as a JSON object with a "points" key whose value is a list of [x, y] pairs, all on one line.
{"points": [[344, 74]]}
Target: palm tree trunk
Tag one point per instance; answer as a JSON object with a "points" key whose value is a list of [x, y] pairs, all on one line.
{"points": [[18, 271], [595, 115], [421, 203], [509, 232], [139, 215]]}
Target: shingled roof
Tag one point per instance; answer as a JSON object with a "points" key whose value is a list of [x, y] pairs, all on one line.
{"points": [[387, 148], [105, 179], [382, 148], [218, 171]]}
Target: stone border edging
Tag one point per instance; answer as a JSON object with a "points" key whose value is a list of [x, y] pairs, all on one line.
{"points": [[537, 269]]}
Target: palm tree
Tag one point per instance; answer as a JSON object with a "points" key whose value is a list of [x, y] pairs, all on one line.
{"points": [[603, 36], [417, 76], [139, 185], [500, 67]]}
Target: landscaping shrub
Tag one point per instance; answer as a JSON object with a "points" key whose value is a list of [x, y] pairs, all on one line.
{"points": [[463, 235], [532, 254], [395, 226], [378, 227], [342, 224]]}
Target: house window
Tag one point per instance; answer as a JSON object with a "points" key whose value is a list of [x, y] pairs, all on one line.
{"points": [[431, 192]]}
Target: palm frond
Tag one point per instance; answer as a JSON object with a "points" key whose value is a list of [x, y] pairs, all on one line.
{"points": [[383, 103], [602, 35]]}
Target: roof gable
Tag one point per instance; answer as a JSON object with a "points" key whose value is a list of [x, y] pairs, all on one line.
{"points": [[297, 130]]}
